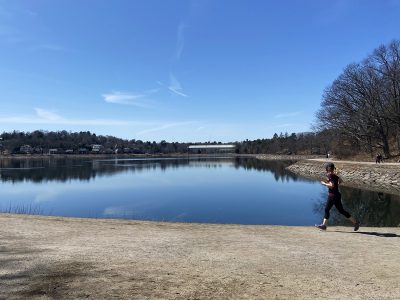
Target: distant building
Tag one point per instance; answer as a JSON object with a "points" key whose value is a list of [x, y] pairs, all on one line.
{"points": [[6, 152], [97, 148], [69, 151], [38, 150], [53, 151], [83, 151], [26, 149]]}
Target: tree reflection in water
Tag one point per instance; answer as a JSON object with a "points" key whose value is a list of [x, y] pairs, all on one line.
{"points": [[277, 167], [374, 209], [65, 169]]}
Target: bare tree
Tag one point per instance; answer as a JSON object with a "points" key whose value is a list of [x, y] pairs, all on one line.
{"points": [[363, 102], [386, 61]]}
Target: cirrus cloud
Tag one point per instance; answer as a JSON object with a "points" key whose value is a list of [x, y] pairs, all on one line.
{"points": [[175, 86], [287, 115], [126, 98], [44, 116]]}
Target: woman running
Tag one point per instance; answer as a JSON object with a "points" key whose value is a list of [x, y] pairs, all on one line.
{"points": [[334, 198]]}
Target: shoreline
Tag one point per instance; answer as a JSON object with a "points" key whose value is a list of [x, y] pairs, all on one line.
{"points": [[260, 156], [63, 258], [384, 177]]}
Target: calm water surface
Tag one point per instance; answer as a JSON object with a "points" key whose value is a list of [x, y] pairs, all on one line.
{"points": [[212, 190]]}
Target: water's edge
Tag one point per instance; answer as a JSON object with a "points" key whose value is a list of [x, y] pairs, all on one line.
{"points": [[379, 178]]}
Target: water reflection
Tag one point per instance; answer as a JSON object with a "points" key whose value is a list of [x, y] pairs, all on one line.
{"points": [[277, 167], [189, 189], [374, 209], [58, 169]]}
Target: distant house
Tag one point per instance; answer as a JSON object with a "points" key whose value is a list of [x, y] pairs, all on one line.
{"points": [[69, 151], [127, 150], [83, 151], [53, 151], [26, 149], [38, 150], [97, 148]]}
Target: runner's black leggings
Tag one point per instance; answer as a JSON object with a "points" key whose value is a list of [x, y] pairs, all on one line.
{"points": [[335, 199]]}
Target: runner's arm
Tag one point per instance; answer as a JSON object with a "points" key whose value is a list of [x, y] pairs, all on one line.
{"points": [[328, 184]]}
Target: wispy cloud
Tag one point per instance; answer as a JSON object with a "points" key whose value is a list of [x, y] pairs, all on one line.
{"points": [[125, 98], [44, 116], [164, 127], [180, 41], [290, 114], [121, 97], [175, 86], [47, 115]]}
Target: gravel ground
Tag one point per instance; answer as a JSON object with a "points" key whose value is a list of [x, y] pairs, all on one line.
{"points": [[60, 258]]}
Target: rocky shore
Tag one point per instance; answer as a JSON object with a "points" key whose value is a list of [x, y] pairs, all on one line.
{"points": [[377, 177]]}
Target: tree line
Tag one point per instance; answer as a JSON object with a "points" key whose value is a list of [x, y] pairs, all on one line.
{"points": [[362, 106], [40, 142]]}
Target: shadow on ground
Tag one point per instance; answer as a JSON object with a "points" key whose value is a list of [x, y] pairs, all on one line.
{"points": [[374, 233], [54, 281]]}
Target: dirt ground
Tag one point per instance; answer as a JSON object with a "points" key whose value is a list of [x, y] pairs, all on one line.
{"points": [[59, 258]]}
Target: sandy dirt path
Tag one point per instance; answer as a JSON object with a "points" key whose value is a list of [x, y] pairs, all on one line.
{"points": [[60, 258], [325, 160]]}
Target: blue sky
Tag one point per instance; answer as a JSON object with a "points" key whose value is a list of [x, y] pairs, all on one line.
{"points": [[178, 70]]}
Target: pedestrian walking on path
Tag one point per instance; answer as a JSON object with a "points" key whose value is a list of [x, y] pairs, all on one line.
{"points": [[334, 198]]}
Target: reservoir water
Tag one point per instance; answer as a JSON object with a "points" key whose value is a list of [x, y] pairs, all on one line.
{"points": [[186, 189]]}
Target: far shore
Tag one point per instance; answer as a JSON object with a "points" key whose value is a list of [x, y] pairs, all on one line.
{"points": [[94, 156], [68, 258], [316, 157], [87, 156]]}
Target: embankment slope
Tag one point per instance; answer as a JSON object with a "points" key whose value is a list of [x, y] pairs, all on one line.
{"points": [[378, 177]]}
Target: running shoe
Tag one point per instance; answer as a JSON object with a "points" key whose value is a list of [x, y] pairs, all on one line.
{"points": [[356, 226], [322, 226]]}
